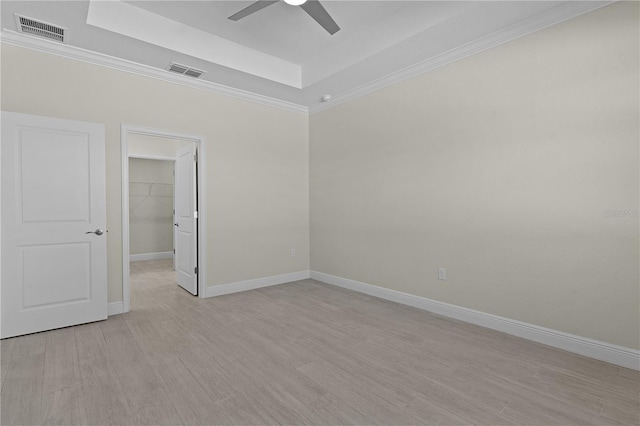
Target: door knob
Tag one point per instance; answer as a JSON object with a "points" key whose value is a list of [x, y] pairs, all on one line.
{"points": [[175, 224], [97, 232]]}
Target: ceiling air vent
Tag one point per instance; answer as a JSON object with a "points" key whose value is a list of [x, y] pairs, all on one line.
{"points": [[40, 29], [185, 70]]}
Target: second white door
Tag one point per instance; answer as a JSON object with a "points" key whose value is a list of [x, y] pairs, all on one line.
{"points": [[186, 241]]}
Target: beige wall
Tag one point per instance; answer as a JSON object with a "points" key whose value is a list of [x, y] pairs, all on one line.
{"points": [[500, 168], [257, 157], [150, 206]]}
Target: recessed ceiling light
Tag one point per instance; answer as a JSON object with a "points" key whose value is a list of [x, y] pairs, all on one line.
{"points": [[295, 2]]}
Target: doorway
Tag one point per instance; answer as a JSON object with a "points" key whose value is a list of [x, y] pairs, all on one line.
{"points": [[159, 149], [151, 207]]}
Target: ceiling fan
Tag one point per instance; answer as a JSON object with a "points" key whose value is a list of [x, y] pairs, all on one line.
{"points": [[312, 7]]}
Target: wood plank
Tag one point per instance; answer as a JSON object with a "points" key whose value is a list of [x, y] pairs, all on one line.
{"points": [[31, 344], [242, 409], [331, 410], [353, 392], [101, 390], [191, 401], [623, 412], [6, 351], [64, 406], [61, 369], [629, 374], [21, 398], [142, 390], [282, 404]]}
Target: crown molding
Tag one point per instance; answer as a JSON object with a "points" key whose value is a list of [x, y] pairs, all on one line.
{"points": [[543, 20], [46, 46]]}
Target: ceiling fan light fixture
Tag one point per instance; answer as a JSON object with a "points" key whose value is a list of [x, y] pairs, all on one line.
{"points": [[312, 8]]}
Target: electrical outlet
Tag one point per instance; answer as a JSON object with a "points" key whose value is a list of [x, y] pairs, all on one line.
{"points": [[293, 252], [442, 274]]}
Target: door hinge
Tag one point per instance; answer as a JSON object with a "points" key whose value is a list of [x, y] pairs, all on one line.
{"points": [[174, 251], [195, 157], [195, 214], [195, 270]]}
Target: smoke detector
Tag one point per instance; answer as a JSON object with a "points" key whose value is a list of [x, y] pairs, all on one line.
{"points": [[40, 28]]}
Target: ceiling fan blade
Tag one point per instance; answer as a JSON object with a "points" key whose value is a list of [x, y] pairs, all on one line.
{"points": [[321, 16], [252, 8]]}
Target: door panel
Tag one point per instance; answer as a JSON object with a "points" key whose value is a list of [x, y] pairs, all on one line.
{"points": [[65, 157], [186, 232], [53, 192], [68, 262]]}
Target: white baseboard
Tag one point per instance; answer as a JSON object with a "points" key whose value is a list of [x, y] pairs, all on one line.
{"points": [[115, 308], [219, 290], [614, 354], [151, 256]]}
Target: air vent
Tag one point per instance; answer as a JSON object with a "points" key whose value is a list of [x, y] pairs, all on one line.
{"points": [[185, 70], [40, 29]]}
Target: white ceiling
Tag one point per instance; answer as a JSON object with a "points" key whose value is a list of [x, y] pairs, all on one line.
{"points": [[280, 53]]}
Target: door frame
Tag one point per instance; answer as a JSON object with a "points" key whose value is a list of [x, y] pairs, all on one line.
{"points": [[125, 130]]}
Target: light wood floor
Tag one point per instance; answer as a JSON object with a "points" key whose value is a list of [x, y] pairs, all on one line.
{"points": [[300, 353]]}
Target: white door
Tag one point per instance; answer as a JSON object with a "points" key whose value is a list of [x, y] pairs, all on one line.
{"points": [[54, 263], [186, 219], [175, 221]]}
